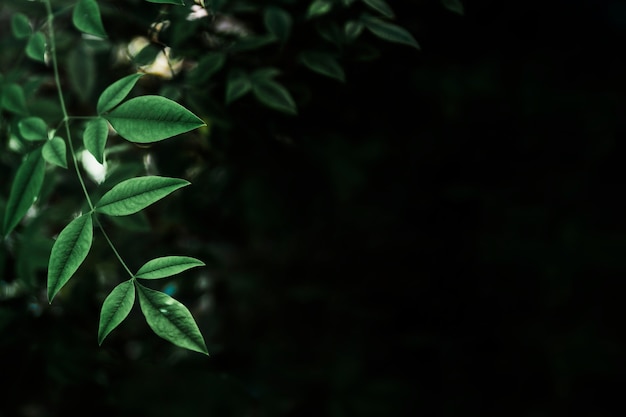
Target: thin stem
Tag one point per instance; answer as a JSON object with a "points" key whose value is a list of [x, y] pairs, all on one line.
{"points": [[66, 122]]}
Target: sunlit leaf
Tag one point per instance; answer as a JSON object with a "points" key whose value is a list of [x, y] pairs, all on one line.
{"points": [[13, 99], [380, 6], [148, 119], [20, 26], [116, 92], [68, 253], [278, 22], [323, 63], [36, 47], [54, 151], [178, 2], [167, 266], [135, 194], [237, 85], [33, 128], [95, 137], [115, 308], [318, 8], [86, 18], [454, 6], [353, 29], [170, 319], [24, 190], [82, 70], [389, 31], [275, 96]]}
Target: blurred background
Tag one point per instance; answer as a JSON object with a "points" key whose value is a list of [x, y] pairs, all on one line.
{"points": [[441, 235]]}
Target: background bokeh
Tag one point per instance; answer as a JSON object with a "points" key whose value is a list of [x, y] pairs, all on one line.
{"points": [[442, 235]]}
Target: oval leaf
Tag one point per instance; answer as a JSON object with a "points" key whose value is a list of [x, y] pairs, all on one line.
{"points": [[116, 92], [95, 138], [87, 19], [390, 32], [324, 64], [353, 29], [237, 85], [278, 22], [275, 96], [69, 252], [36, 47], [25, 189], [380, 6], [170, 319], [135, 194], [13, 99], [167, 266], [33, 128], [148, 119], [115, 308], [54, 151], [318, 8], [20, 26]]}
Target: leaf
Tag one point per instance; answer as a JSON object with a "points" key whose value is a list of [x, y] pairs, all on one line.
{"points": [[147, 55], [318, 8], [278, 22], [68, 253], [275, 96], [353, 29], [86, 18], [167, 266], [115, 308], [263, 74], [380, 6], [170, 319], [33, 128], [178, 2], [20, 26], [54, 151], [208, 65], [116, 92], [249, 43], [237, 85], [324, 64], [36, 47], [24, 190], [454, 6], [81, 67], [95, 137], [390, 32], [13, 99], [148, 119], [135, 194]]}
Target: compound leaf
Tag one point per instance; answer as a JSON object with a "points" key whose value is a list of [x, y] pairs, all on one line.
{"points": [[116, 92], [167, 266], [115, 308]]}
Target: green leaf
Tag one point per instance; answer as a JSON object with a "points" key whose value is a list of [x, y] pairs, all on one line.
{"points": [[87, 19], [278, 22], [95, 137], [170, 319], [318, 8], [68, 253], [208, 65], [454, 6], [115, 308], [135, 194], [148, 119], [389, 32], [147, 55], [25, 189], [54, 151], [380, 6], [116, 92], [36, 47], [167, 266], [82, 70], [275, 96], [20, 26], [324, 64], [178, 2], [237, 85], [249, 43], [263, 74], [33, 128], [13, 99], [353, 29]]}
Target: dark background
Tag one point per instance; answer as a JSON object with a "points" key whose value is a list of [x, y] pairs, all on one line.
{"points": [[442, 235]]}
